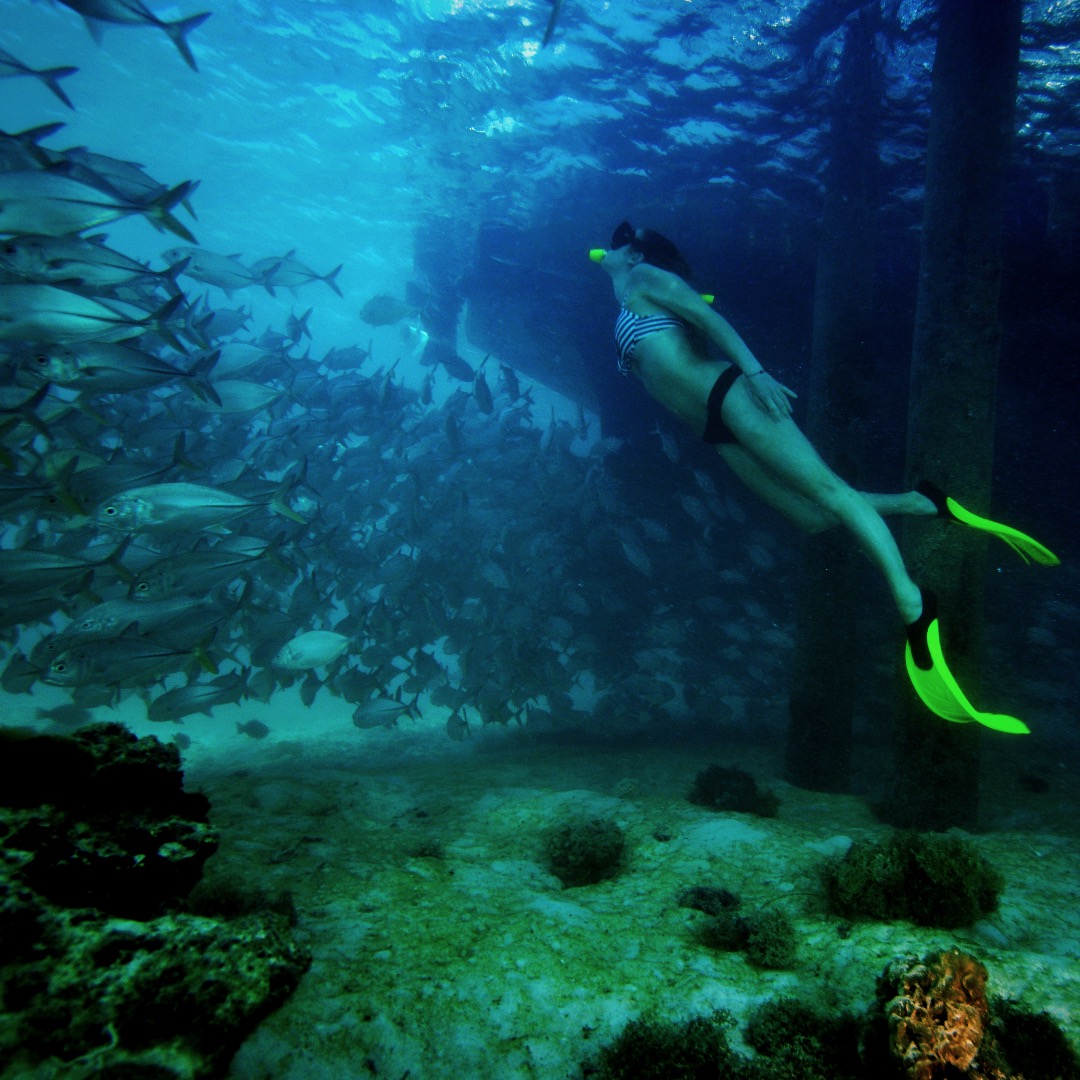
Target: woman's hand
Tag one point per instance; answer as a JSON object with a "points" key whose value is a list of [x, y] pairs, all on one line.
{"points": [[771, 396]]}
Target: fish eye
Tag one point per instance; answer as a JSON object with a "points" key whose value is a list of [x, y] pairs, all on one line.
{"points": [[59, 666], [143, 586], [109, 511], [41, 358]]}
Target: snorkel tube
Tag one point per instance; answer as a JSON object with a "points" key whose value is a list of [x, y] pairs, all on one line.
{"points": [[597, 255]]}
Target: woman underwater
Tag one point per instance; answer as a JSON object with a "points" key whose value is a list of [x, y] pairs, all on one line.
{"points": [[736, 405]]}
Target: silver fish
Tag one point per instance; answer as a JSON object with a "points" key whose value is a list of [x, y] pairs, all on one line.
{"points": [[111, 618], [117, 661], [113, 367], [224, 271], [289, 273], [134, 12], [382, 711], [45, 313], [253, 729], [315, 648], [77, 262], [203, 568], [51, 204], [179, 506], [235, 396], [66, 715], [386, 310], [196, 697], [29, 571], [457, 727]]}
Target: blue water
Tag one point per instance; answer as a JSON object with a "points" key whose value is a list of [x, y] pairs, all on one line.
{"points": [[437, 143], [582, 566]]}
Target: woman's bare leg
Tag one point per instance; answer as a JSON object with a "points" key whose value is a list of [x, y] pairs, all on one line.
{"points": [[783, 451], [806, 514]]}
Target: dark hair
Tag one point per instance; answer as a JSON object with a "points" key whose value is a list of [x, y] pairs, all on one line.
{"points": [[659, 251], [656, 249]]}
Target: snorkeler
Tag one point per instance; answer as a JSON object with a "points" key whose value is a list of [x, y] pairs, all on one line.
{"points": [[662, 333]]}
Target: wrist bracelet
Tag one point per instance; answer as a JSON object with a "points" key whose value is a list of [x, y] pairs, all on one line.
{"points": [[757, 373]]}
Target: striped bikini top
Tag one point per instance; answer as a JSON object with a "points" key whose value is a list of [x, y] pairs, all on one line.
{"points": [[631, 328]]}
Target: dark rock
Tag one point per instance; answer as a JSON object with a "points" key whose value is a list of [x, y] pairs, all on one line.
{"points": [[108, 826], [181, 978], [101, 973], [720, 788]]}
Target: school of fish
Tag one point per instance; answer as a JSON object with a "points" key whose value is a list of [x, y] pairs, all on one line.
{"points": [[200, 512]]}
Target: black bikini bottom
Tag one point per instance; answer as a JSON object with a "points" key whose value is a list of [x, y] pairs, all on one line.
{"points": [[716, 431]]}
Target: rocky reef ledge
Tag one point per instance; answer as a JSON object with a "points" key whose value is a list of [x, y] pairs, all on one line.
{"points": [[104, 968]]}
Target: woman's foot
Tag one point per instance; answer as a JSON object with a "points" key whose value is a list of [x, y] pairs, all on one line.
{"points": [[910, 604], [921, 505]]}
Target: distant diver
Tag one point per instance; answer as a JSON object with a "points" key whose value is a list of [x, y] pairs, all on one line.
{"points": [[661, 333]]}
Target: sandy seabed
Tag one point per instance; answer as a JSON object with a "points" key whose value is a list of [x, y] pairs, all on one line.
{"points": [[442, 947]]}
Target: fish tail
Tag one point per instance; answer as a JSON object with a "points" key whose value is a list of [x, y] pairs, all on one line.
{"points": [[279, 506], [180, 460], [178, 32], [169, 276], [186, 200], [158, 321], [29, 138], [61, 488], [200, 378], [159, 211], [556, 10], [113, 560], [26, 411], [204, 660], [93, 28], [277, 502], [266, 279], [329, 279], [51, 77]]}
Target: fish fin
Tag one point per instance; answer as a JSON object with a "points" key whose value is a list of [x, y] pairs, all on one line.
{"points": [[158, 211], [185, 201], [157, 321], [178, 32], [170, 275], [556, 11], [277, 501], [180, 460], [51, 77], [27, 410], [935, 683], [203, 659], [1028, 548], [329, 279], [94, 28], [199, 374]]}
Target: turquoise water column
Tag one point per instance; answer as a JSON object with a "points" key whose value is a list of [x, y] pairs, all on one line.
{"points": [[953, 378], [823, 692]]}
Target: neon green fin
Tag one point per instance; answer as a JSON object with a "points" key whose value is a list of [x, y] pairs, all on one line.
{"points": [[1029, 549], [935, 683]]}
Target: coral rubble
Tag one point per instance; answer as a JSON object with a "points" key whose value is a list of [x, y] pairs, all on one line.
{"points": [[104, 967]]}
